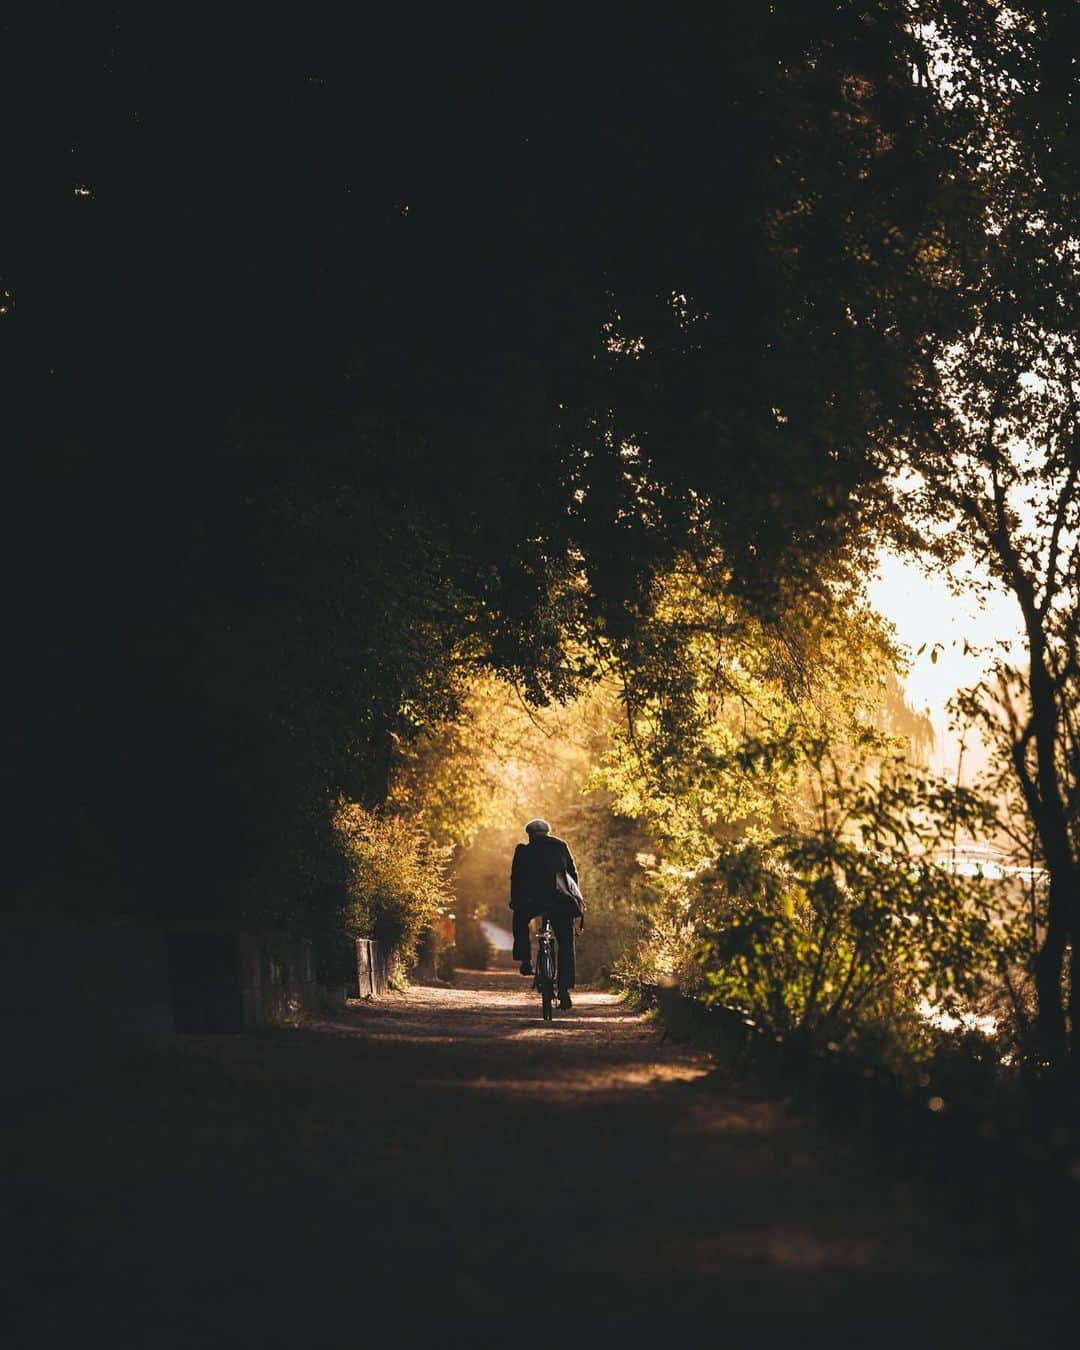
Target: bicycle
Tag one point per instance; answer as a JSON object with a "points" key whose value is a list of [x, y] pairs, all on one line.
{"points": [[545, 966]]}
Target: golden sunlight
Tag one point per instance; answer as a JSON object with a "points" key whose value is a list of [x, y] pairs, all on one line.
{"points": [[951, 639]]}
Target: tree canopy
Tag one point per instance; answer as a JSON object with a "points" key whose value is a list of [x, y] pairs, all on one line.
{"points": [[359, 360], [346, 352]]}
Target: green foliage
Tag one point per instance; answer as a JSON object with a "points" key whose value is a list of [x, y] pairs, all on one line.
{"points": [[465, 773], [357, 594], [480, 451], [992, 475], [609, 848], [477, 779], [695, 734], [718, 700], [854, 925], [472, 950], [794, 873], [446, 960], [396, 880]]}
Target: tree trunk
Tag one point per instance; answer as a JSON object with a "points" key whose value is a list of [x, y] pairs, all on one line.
{"points": [[1049, 967], [1074, 1019], [1052, 823]]}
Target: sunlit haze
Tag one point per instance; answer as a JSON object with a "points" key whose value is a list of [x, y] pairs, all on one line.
{"points": [[927, 616]]}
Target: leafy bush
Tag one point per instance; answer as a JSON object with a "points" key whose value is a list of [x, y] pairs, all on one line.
{"points": [[446, 960], [843, 931], [472, 950], [397, 882], [609, 934]]}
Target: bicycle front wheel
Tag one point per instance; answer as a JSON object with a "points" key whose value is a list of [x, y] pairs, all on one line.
{"points": [[547, 990]]}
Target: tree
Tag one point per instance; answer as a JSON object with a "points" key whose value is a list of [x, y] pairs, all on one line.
{"points": [[396, 883], [717, 700], [850, 925], [331, 390], [995, 467]]}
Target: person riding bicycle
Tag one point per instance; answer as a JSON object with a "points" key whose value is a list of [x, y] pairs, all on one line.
{"points": [[533, 891]]}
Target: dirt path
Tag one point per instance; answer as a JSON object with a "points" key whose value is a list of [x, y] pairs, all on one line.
{"points": [[445, 1161]]}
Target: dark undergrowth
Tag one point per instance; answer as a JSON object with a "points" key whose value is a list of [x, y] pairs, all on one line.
{"points": [[983, 1147]]}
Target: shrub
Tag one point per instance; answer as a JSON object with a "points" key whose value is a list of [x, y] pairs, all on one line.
{"points": [[843, 931], [397, 878], [446, 960], [472, 949]]}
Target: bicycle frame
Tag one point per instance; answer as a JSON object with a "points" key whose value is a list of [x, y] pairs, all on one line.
{"points": [[545, 966]]}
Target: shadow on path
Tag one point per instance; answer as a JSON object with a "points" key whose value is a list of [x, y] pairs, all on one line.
{"points": [[444, 1160]]}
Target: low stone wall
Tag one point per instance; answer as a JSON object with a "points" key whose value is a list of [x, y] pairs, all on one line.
{"points": [[74, 987], [224, 981], [277, 977], [112, 986], [372, 967]]}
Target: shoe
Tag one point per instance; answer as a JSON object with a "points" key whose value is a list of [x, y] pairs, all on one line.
{"points": [[565, 1003], [526, 968]]}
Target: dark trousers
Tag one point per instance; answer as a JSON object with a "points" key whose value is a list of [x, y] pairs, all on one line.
{"points": [[563, 925]]}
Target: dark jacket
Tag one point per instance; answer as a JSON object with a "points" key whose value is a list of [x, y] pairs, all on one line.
{"points": [[532, 876]]}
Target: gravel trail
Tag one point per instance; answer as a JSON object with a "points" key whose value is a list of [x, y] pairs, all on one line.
{"points": [[442, 1164]]}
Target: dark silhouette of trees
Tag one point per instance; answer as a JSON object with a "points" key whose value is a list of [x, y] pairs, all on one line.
{"points": [[350, 356]]}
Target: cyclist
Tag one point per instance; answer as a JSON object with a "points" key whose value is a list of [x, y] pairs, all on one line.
{"points": [[533, 892]]}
